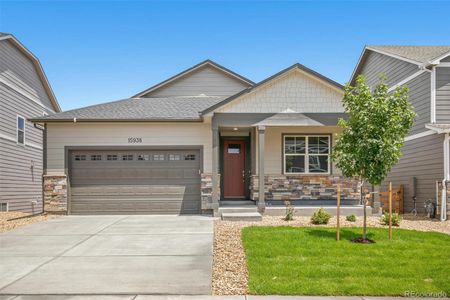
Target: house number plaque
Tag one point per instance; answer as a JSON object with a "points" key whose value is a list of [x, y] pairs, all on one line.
{"points": [[134, 140]]}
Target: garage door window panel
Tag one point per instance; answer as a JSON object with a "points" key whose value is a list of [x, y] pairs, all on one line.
{"points": [[158, 157], [127, 157], [111, 157]]}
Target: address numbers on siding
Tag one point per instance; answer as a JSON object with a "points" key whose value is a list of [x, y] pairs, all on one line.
{"points": [[134, 140]]}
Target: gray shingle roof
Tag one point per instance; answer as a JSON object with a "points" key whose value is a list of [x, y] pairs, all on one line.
{"points": [[422, 54], [139, 109]]}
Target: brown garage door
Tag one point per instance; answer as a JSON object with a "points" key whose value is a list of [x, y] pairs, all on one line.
{"points": [[135, 182]]}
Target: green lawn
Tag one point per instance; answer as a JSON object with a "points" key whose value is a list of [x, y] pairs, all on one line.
{"points": [[309, 261]]}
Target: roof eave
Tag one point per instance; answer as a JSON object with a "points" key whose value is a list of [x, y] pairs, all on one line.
{"points": [[43, 120]]}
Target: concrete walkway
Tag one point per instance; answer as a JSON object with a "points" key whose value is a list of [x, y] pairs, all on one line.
{"points": [[191, 297], [108, 255]]}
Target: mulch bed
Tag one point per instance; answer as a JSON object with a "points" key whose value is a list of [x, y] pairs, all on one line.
{"points": [[12, 220]]}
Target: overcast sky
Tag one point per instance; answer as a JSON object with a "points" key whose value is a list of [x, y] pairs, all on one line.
{"points": [[99, 51]]}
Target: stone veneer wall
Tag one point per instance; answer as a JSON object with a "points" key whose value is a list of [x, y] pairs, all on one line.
{"points": [[55, 193], [206, 191], [305, 188]]}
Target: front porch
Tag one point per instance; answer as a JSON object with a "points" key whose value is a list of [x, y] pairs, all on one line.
{"points": [[306, 177]]}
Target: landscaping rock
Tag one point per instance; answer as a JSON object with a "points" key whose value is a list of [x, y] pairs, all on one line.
{"points": [[9, 221]]}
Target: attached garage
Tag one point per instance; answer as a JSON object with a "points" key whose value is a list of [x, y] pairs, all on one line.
{"points": [[147, 181]]}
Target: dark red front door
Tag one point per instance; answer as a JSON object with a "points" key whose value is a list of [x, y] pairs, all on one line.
{"points": [[233, 169]]}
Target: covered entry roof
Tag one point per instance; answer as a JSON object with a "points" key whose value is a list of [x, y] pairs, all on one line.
{"points": [[298, 119]]}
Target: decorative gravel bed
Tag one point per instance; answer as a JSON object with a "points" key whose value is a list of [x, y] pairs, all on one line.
{"points": [[230, 276], [7, 224]]}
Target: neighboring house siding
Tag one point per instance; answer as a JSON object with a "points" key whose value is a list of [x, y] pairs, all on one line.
{"points": [[206, 80], [18, 70], [423, 159], [419, 97], [443, 95], [396, 70], [21, 166], [117, 134], [294, 91], [447, 59]]}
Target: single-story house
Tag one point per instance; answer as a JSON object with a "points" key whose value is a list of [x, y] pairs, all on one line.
{"points": [[203, 136]]}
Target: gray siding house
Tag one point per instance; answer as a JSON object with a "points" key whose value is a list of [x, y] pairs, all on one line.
{"points": [[202, 138], [24, 93], [426, 71]]}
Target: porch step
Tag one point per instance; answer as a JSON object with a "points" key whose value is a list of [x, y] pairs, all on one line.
{"points": [[238, 209], [242, 216]]}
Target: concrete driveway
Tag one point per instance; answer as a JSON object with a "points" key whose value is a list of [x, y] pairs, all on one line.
{"points": [[109, 255]]}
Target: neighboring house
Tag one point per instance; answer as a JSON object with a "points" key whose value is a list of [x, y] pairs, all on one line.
{"points": [[426, 71], [201, 137], [24, 93]]}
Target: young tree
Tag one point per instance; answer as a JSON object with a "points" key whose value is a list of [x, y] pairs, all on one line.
{"points": [[373, 135]]}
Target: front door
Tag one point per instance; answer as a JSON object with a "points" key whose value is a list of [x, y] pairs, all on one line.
{"points": [[233, 169]]}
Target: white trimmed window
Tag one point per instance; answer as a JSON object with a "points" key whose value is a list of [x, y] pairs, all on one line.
{"points": [[306, 154], [20, 130]]}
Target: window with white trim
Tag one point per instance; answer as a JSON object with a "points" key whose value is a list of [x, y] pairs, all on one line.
{"points": [[20, 130], [306, 154]]}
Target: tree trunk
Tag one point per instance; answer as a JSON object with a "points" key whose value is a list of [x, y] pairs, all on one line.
{"points": [[364, 234], [364, 222]]}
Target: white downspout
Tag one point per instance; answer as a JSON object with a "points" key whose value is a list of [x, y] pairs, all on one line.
{"points": [[446, 178], [433, 95]]}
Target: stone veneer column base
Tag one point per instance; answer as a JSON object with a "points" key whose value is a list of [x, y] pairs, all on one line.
{"points": [[55, 193], [305, 188], [206, 193]]}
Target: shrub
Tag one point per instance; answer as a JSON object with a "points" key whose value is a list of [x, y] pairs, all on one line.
{"points": [[396, 219], [289, 211], [351, 218], [320, 217]]}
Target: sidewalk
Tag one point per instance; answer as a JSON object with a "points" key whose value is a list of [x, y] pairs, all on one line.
{"points": [[192, 297]]}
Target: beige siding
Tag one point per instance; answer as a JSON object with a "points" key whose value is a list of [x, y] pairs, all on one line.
{"points": [[117, 134], [274, 144], [296, 91], [206, 80]]}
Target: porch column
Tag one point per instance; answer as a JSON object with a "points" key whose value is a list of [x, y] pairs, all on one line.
{"points": [[215, 194], [446, 177], [261, 143]]}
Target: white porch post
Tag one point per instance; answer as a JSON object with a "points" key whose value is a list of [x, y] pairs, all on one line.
{"points": [[446, 177], [215, 194], [261, 143]]}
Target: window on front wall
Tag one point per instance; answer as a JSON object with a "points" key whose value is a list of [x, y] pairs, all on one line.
{"points": [[306, 154], [20, 130]]}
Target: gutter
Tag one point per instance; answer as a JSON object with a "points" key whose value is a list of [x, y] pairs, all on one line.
{"points": [[75, 120]]}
